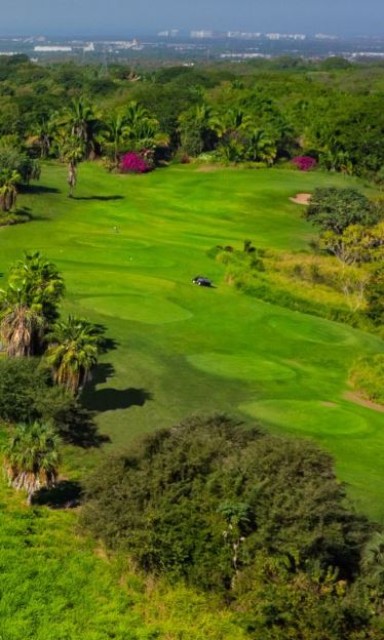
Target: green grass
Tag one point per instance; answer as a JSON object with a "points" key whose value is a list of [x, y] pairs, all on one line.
{"points": [[183, 349], [54, 585]]}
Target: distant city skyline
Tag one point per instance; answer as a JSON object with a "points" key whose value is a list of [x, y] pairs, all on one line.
{"points": [[120, 17]]}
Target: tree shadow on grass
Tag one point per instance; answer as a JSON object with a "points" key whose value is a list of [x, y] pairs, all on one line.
{"points": [[110, 399], [66, 494], [100, 198], [100, 374], [82, 431], [37, 188], [106, 344]]}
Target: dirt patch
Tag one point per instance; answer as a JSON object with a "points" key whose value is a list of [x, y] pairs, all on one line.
{"points": [[205, 168], [354, 397], [301, 198], [329, 404]]}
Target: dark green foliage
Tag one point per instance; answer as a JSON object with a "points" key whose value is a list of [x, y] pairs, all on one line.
{"points": [[203, 499], [27, 394], [277, 604], [24, 386], [11, 159], [334, 209], [335, 62], [375, 297]]}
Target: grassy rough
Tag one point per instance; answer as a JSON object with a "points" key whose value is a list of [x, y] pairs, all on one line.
{"points": [[54, 585]]}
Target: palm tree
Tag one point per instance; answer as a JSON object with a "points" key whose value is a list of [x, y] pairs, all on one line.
{"points": [[261, 147], [80, 123], [72, 151], [231, 128], [231, 122], [8, 192], [31, 458], [197, 129], [21, 323], [141, 129], [373, 559], [115, 134], [28, 306], [40, 281], [73, 352], [45, 132]]}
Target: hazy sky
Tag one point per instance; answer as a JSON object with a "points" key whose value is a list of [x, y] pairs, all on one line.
{"points": [[126, 16]]}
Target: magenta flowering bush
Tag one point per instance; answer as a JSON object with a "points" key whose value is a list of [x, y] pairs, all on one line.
{"points": [[304, 163], [132, 162]]}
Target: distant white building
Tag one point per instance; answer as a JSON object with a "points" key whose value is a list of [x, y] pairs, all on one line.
{"points": [[52, 49], [285, 36], [246, 35], [169, 33], [201, 34], [325, 36]]}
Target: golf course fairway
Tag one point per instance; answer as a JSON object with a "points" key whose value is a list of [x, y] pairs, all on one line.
{"points": [[128, 247]]}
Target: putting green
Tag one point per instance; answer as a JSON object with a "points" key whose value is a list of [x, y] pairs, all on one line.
{"points": [[308, 417], [138, 308], [317, 330], [241, 367]]}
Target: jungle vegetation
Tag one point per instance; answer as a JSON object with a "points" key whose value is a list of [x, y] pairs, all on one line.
{"points": [[206, 527]]}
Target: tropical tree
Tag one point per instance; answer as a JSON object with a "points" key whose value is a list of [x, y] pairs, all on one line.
{"points": [[334, 209], [44, 132], [114, 135], [40, 280], [141, 130], [81, 124], [8, 191], [73, 352], [17, 165], [373, 559], [356, 244], [21, 323], [15, 168], [28, 305], [261, 147], [72, 151], [196, 129], [231, 121], [31, 458]]}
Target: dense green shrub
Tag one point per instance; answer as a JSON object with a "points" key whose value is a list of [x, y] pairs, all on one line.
{"points": [[259, 519], [27, 394], [334, 209], [201, 500], [375, 297]]}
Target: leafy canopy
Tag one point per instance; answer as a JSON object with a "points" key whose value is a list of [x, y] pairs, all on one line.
{"points": [[334, 209], [201, 500]]}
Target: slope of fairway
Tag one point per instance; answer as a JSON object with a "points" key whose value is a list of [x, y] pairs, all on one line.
{"points": [[128, 247]]}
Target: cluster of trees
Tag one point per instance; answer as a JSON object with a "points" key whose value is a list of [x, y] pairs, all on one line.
{"points": [[242, 114], [48, 361], [256, 518], [352, 229], [16, 168], [344, 269]]}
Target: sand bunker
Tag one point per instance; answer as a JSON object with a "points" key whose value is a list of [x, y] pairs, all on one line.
{"points": [[301, 198]]}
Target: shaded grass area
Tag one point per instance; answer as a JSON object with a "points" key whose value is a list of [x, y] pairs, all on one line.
{"points": [[128, 247]]}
